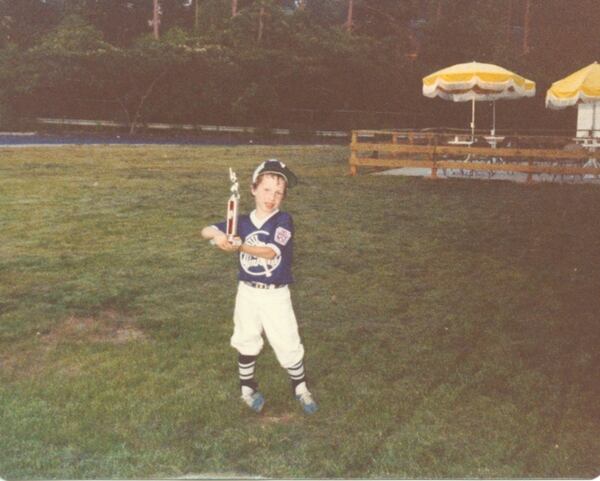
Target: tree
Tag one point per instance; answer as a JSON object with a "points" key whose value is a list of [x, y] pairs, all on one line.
{"points": [[92, 58], [140, 73], [327, 13], [5, 24], [11, 85], [468, 31], [24, 22], [563, 38], [350, 17], [120, 22], [526, 26], [262, 22], [73, 66]]}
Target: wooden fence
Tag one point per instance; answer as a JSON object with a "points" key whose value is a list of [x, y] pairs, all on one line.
{"points": [[556, 156]]}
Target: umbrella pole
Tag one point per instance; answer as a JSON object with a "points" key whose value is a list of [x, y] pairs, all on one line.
{"points": [[493, 118], [473, 120]]}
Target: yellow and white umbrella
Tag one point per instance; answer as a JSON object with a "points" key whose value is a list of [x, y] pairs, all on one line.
{"points": [[477, 81], [581, 87]]}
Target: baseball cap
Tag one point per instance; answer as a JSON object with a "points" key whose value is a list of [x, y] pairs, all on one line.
{"points": [[274, 166]]}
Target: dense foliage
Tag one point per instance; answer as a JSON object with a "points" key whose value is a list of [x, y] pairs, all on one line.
{"points": [[284, 63]]}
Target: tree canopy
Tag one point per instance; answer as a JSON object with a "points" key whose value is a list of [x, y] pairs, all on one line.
{"points": [[284, 63]]}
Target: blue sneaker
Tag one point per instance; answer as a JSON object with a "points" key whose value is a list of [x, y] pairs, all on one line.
{"points": [[255, 401], [307, 402]]}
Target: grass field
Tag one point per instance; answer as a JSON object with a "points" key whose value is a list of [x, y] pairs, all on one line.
{"points": [[451, 327]]}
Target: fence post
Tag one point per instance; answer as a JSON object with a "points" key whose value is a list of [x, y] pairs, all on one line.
{"points": [[529, 174], [353, 158], [434, 160]]}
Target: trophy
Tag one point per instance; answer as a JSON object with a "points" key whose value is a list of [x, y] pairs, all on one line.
{"points": [[232, 209]]}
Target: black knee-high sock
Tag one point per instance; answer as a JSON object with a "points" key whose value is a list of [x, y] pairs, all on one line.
{"points": [[297, 374], [246, 368]]}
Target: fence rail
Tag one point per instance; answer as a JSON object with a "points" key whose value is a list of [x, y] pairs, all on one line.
{"points": [[524, 154]]}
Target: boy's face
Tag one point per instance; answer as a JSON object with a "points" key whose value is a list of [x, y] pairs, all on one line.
{"points": [[269, 193]]}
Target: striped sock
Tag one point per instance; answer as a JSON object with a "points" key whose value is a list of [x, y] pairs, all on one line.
{"points": [[297, 376], [246, 368]]}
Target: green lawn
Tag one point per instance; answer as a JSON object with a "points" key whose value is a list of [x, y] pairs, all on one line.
{"points": [[451, 327]]}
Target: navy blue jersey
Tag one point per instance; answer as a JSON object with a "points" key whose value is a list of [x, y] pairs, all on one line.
{"points": [[276, 232]]}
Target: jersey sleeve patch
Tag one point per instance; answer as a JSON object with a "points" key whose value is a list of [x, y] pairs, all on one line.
{"points": [[282, 235]]}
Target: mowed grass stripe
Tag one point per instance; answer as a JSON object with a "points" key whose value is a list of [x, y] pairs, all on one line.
{"points": [[451, 327]]}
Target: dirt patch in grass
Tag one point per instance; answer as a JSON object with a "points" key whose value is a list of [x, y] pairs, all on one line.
{"points": [[109, 326], [29, 358]]}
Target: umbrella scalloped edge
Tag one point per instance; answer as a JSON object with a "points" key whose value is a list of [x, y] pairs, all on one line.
{"points": [[557, 104], [478, 89]]}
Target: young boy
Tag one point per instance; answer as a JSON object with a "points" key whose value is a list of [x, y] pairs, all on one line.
{"points": [[263, 302]]}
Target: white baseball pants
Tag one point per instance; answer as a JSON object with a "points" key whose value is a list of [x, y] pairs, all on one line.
{"points": [[269, 311]]}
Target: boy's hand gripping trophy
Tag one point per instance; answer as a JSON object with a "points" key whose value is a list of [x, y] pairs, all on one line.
{"points": [[232, 210]]}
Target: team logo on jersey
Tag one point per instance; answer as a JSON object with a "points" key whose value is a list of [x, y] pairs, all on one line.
{"points": [[282, 236], [257, 266]]}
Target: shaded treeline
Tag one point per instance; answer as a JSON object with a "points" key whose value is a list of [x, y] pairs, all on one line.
{"points": [[281, 63]]}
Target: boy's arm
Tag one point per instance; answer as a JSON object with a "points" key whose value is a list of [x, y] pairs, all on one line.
{"points": [[258, 251], [218, 238], [210, 232]]}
